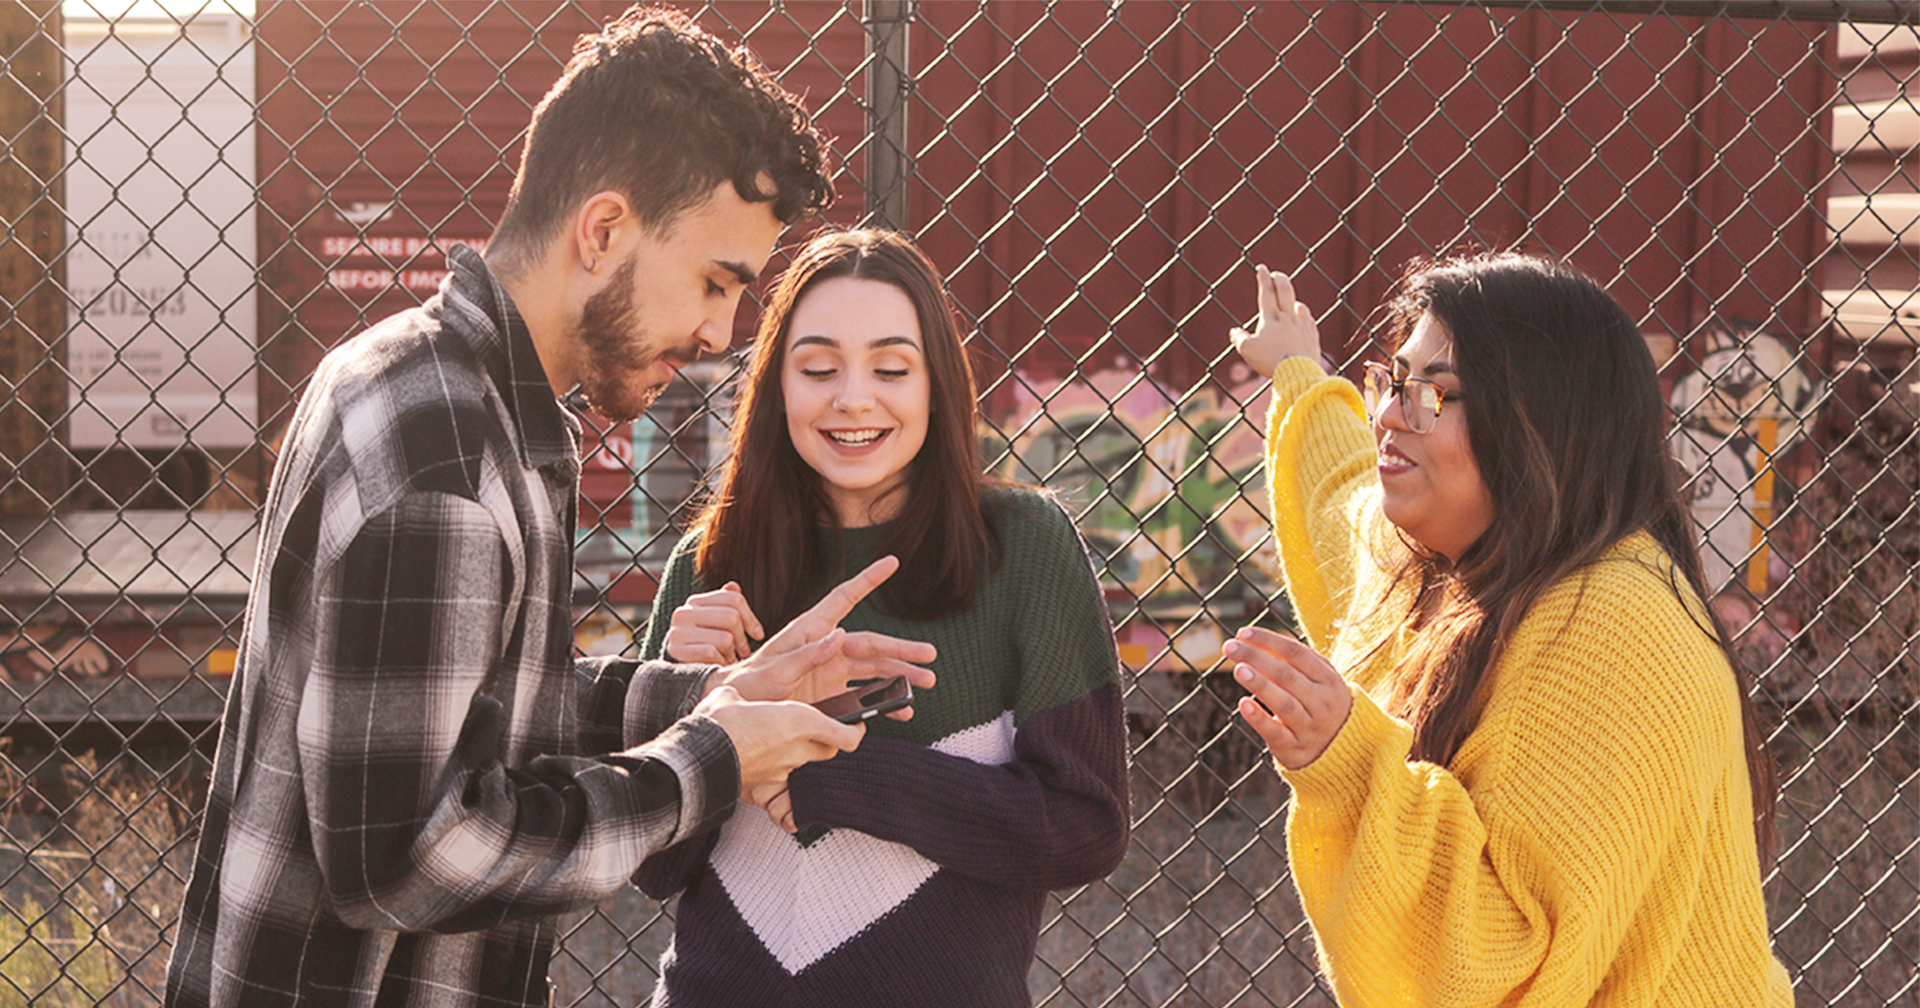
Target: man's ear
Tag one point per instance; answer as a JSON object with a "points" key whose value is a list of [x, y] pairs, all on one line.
{"points": [[599, 225]]}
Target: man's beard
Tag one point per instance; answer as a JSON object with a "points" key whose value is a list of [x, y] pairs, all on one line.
{"points": [[617, 349]]}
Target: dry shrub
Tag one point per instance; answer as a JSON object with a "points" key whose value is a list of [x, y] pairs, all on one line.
{"points": [[109, 864], [1854, 586], [1847, 883], [1860, 578], [1843, 895]]}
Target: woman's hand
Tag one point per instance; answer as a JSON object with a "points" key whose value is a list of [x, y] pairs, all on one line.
{"points": [[776, 802], [1298, 700], [1285, 328], [713, 628]]}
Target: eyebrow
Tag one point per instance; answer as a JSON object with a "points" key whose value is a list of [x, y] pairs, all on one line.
{"points": [[828, 341], [1433, 367], [741, 271]]}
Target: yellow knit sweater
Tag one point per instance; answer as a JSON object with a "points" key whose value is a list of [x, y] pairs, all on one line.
{"points": [[1592, 841]]}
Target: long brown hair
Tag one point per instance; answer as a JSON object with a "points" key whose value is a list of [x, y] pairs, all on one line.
{"points": [[760, 528], [1569, 431]]}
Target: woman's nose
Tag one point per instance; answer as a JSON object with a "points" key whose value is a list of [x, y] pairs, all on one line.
{"points": [[1389, 416], [853, 397]]}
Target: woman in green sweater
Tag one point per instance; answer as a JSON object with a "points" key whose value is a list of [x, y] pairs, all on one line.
{"points": [[914, 870], [1525, 768]]}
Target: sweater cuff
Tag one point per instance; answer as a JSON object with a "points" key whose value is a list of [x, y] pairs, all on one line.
{"points": [[701, 756], [603, 684], [660, 694], [1291, 379], [1341, 773], [813, 787]]}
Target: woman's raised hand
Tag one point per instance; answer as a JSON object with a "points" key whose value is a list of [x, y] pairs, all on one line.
{"points": [[713, 628], [1298, 700], [1285, 328]]}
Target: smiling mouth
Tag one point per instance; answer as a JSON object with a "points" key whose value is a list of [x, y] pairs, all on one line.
{"points": [[1390, 457], [855, 438]]}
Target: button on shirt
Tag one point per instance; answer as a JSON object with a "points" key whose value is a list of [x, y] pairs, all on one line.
{"points": [[400, 805]]}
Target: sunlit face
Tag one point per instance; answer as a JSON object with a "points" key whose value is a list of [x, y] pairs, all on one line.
{"points": [[858, 393], [671, 298], [1430, 483]]}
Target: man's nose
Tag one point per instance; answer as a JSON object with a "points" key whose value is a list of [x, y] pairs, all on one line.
{"points": [[715, 335]]}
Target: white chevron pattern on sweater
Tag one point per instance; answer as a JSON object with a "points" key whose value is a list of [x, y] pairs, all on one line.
{"points": [[804, 902]]}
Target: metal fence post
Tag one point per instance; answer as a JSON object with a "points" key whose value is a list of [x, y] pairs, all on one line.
{"points": [[32, 281], [886, 23]]}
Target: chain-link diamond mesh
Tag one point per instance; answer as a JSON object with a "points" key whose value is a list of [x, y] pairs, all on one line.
{"points": [[200, 200]]}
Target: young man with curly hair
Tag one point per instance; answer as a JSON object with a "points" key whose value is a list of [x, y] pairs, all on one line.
{"points": [[414, 776]]}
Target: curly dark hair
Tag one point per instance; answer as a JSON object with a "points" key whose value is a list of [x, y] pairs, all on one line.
{"points": [[656, 108]]}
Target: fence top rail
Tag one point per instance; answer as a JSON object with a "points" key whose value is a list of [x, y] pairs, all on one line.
{"points": [[1871, 11]]}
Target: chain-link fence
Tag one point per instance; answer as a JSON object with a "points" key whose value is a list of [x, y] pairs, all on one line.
{"points": [[200, 200]]}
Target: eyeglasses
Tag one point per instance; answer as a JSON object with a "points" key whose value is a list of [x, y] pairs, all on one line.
{"points": [[1420, 399]]}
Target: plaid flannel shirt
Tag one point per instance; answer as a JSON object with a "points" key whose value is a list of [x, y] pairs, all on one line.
{"points": [[398, 810]]}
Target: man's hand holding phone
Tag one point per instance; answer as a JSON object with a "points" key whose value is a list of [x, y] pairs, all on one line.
{"points": [[764, 700], [771, 738]]}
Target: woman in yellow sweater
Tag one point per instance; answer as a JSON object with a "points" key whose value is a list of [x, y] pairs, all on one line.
{"points": [[1524, 769]]}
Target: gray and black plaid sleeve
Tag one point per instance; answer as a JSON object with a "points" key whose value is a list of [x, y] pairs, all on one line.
{"points": [[422, 817]]}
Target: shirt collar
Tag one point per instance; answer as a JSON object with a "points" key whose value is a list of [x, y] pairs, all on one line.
{"points": [[548, 433]]}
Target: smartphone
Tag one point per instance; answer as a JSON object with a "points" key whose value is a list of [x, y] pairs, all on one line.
{"points": [[882, 696]]}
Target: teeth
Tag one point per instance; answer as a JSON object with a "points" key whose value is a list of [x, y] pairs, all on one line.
{"points": [[855, 438]]}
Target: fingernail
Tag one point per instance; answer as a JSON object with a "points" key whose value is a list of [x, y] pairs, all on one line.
{"points": [[1244, 673]]}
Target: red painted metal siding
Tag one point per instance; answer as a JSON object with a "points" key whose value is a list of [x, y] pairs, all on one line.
{"points": [[1145, 185], [1096, 177]]}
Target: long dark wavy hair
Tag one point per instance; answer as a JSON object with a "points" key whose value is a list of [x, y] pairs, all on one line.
{"points": [[759, 529], [1569, 431]]}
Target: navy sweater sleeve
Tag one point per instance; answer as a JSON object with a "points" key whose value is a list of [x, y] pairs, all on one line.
{"points": [[1054, 818]]}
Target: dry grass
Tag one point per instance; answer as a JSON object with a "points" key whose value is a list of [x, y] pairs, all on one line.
{"points": [[1845, 895], [1200, 913], [98, 856]]}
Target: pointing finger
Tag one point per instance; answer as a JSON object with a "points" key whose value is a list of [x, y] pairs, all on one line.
{"points": [[1283, 297], [828, 612]]}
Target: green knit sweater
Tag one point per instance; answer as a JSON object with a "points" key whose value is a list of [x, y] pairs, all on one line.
{"points": [[925, 854]]}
